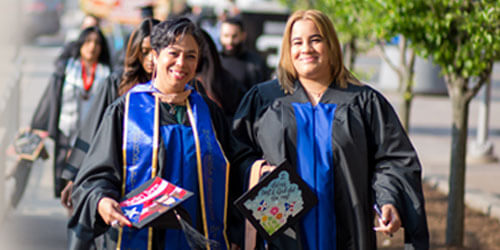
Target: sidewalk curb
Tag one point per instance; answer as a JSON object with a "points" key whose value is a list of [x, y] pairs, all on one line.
{"points": [[475, 199]]}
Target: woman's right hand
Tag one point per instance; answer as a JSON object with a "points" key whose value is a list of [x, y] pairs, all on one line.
{"points": [[111, 213], [66, 197]]}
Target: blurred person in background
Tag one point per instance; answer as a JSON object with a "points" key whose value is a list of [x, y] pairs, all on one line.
{"points": [[90, 21], [246, 66], [66, 101], [218, 82], [138, 69], [24, 166], [121, 34], [72, 35]]}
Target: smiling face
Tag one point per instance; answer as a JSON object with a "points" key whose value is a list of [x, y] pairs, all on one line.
{"points": [[176, 64], [309, 51], [147, 61], [91, 48]]}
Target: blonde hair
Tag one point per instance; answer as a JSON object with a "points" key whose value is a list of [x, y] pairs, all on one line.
{"points": [[286, 71]]}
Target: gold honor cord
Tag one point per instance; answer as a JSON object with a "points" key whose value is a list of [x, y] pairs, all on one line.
{"points": [[200, 172], [154, 171], [226, 193], [224, 232], [124, 154]]}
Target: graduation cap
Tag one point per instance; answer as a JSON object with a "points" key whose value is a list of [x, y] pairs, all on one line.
{"points": [[152, 202], [277, 202], [29, 145], [147, 11]]}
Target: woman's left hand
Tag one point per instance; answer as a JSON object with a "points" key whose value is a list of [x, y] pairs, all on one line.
{"points": [[390, 221]]}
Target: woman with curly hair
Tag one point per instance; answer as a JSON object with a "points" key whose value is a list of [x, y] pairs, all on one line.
{"points": [[166, 129]]}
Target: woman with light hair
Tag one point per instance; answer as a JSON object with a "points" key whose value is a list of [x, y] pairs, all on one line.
{"points": [[342, 137]]}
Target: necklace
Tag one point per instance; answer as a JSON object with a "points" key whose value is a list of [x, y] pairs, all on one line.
{"points": [[317, 95], [88, 81], [172, 110]]}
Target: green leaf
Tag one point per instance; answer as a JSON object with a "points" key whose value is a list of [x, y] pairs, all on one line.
{"points": [[489, 38]]}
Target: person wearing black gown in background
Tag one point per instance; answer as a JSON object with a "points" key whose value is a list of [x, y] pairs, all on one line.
{"points": [[220, 85], [66, 101], [138, 69], [342, 137], [245, 65]]}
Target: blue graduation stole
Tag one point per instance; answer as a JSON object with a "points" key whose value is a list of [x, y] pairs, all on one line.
{"points": [[315, 166], [194, 161]]}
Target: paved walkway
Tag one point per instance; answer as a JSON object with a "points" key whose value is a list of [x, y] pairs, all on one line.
{"points": [[430, 132]]}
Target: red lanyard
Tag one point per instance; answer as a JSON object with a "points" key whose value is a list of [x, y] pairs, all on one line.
{"points": [[87, 83]]}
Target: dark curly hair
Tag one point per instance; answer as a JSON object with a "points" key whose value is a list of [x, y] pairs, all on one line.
{"points": [[133, 72], [166, 33]]}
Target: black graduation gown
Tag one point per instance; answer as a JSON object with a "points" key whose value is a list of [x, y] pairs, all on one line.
{"points": [[228, 93], [46, 117], [373, 158], [106, 94], [101, 175], [247, 68]]}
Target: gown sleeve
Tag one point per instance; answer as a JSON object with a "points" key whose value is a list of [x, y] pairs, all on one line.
{"points": [[245, 117], [100, 176], [251, 108], [397, 177], [106, 94], [46, 115]]}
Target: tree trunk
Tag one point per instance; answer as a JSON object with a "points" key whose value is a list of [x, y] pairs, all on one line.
{"points": [[405, 109], [350, 53], [405, 77], [460, 111]]}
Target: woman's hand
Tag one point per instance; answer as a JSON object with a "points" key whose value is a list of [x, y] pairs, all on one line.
{"points": [[66, 197], [390, 221], [110, 212], [265, 168]]}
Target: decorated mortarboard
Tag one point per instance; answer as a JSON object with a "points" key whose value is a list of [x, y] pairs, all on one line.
{"points": [[29, 144], [151, 200], [277, 202]]}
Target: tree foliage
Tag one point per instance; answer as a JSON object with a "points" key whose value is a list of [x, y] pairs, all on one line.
{"points": [[463, 37], [353, 19]]}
